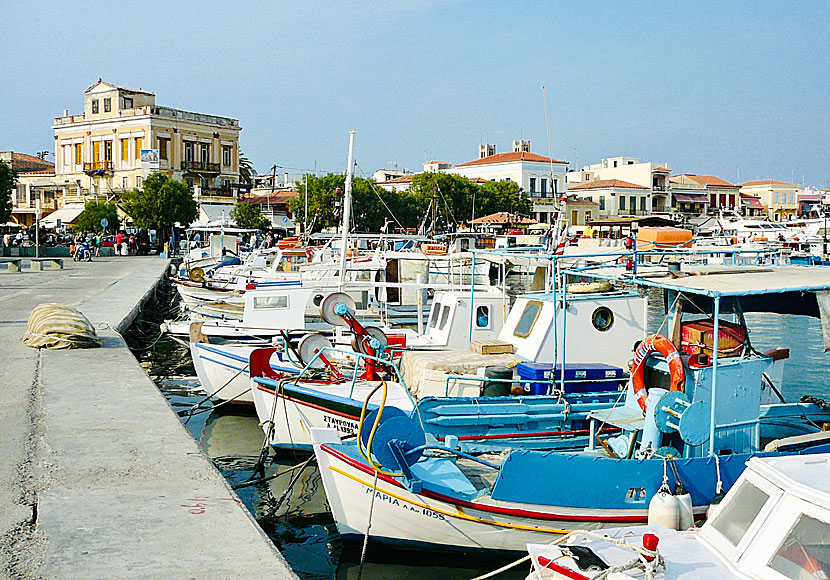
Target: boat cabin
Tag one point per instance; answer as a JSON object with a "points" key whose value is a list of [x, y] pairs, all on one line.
{"points": [[775, 521], [714, 402], [448, 324], [602, 324]]}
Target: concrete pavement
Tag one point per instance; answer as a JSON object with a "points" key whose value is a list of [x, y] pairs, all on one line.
{"points": [[98, 477]]}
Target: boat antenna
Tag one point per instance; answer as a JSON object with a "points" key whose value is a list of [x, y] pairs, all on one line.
{"points": [[347, 210], [550, 147]]}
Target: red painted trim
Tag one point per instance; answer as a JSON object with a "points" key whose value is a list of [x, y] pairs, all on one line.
{"points": [[535, 434], [307, 404], [484, 507], [560, 569]]}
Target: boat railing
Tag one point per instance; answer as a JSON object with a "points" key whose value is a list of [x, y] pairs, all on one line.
{"points": [[358, 357], [551, 383]]}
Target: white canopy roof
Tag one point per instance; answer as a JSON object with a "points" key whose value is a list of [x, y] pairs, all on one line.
{"points": [[66, 215]]}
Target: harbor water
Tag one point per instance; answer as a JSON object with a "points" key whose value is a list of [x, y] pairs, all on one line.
{"points": [[291, 508]]}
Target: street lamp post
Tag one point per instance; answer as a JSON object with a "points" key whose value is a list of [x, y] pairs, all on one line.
{"points": [[37, 227]]}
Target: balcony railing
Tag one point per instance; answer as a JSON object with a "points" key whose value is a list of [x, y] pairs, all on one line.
{"points": [[200, 167], [217, 192], [98, 167]]}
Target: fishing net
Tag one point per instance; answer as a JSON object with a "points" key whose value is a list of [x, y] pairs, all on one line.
{"points": [[58, 326]]}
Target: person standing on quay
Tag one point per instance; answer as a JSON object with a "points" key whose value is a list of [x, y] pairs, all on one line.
{"points": [[119, 238]]}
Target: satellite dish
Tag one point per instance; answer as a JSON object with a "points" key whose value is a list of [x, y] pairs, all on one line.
{"points": [[309, 346], [330, 302]]}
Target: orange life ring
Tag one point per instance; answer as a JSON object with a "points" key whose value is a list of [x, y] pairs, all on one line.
{"points": [[652, 344]]}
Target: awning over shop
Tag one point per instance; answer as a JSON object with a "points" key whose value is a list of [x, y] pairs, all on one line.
{"points": [[752, 202], [66, 215], [691, 197]]}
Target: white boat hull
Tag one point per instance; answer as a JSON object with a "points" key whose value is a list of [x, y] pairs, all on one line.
{"points": [[294, 414], [402, 518]]}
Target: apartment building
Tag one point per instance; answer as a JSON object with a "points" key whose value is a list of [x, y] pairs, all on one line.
{"points": [[780, 199], [542, 178], [36, 188], [652, 176], [123, 136], [615, 197]]}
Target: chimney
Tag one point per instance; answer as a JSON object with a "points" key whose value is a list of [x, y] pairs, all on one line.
{"points": [[486, 150], [66, 112], [521, 146]]}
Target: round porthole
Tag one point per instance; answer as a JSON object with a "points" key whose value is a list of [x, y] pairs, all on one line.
{"points": [[602, 318], [317, 299]]}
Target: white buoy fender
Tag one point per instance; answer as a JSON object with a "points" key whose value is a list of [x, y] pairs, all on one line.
{"points": [[687, 517], [664, 509]]}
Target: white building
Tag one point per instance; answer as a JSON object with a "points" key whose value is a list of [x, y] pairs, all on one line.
{"points": [[653, 176], [542, 178], [614, 196]]}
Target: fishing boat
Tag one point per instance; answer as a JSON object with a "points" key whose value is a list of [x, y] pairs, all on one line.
{"points": [[439, 370], [692, 415], [773, 524], [278, 317]]}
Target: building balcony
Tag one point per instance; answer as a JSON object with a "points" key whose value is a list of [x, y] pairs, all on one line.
{"points": [[660, 189], [98, 167], [201, 168], [217, 192]]}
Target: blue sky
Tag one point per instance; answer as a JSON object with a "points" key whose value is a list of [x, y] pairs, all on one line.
{"points": [[707, 87]]}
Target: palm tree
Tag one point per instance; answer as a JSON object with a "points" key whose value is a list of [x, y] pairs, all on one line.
{"points": [[246, 169]]}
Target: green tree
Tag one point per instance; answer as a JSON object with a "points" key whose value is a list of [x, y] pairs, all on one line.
{"points": [[94, 212], [8, 180], [246, 169], [371, 205], [160, 203], [496, 196], [249, 216], [452, 195]]}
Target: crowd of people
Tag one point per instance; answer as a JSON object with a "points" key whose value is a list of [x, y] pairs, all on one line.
{"points": [[122, 243]]}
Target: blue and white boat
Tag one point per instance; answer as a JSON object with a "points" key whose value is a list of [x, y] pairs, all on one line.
{"points": [[695, 424]]}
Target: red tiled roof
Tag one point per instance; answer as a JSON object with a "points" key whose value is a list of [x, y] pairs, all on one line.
{"points": [[402, 179], [24, 163], [503, 217], [708, 180], [606, 183], [436, 161], [766, 182], [666, 169], [510, 157]]}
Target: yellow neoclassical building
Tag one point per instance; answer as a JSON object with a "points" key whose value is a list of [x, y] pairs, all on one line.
{"points": [[780, 198], [123, 136]]}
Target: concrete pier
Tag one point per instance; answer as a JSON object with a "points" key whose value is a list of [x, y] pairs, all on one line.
{"points": [[98, 477]]}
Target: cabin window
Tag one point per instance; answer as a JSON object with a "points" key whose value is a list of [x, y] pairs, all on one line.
{"points": [[805, 546], [483, 317], [433, 319], [734, 518], [318, 298], [262, 302], [528, 318], [602, 318], [445, 315]]}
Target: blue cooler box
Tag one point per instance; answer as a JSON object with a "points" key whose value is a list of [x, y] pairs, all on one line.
{"points": [[579, 377]]}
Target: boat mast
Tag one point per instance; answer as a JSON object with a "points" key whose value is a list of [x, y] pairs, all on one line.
{"points": [[347, 210]]}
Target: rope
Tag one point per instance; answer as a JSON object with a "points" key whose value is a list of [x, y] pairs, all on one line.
{"points": [[198, 405], [368, 526]]}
